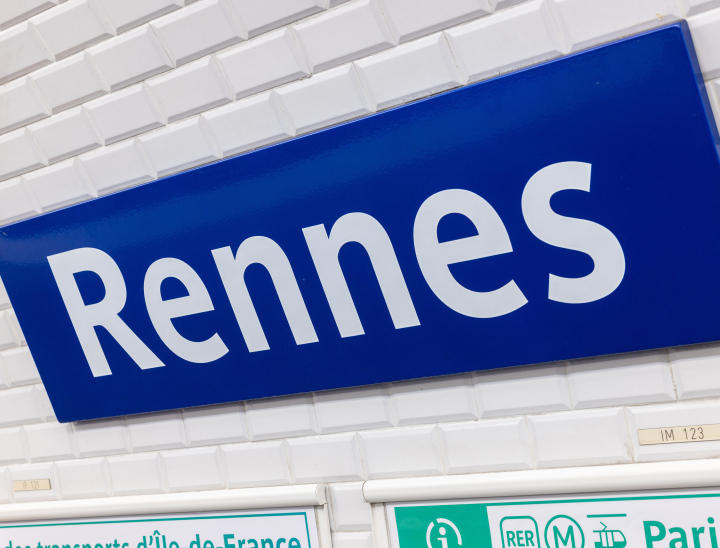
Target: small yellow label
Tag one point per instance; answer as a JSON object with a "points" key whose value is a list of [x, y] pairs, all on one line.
{"points": [[679, 434], [31, 485]]}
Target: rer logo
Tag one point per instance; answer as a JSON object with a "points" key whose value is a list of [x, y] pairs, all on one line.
{"points": [[564, 532], [442, 533], [519, 531]]}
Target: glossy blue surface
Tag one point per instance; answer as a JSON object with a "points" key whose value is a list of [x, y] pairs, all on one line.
{"points": [[634, 109]]}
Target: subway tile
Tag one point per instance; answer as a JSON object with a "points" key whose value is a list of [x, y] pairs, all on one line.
{"points": [[263, 63], [256, 464], [5, 486], [281, 417], [127, 14], [130, 58], [8, 335], [693, 7], [696, 370], [50, 441], [13, 448], [344, 34], [4, 299], [194, 88], [68, 83], [156, 431], [434, 400], [521, 390], [325, 458], [486, 446], [401, 452], [411, 19], [22, 51], [116, 167], [16, 201], [196, 469], [410, 71], [179, 146], [4, 382], [327, 98], [215, 424], [46, 470], [19, 366], [20, 406], [20, 105], [580, 438], [686, 414], [59, 185], [101, 437], [641, 377], [260, 17], [247, 124], [139, 474], [509, 40], [44, 403], [352, 540], [353, 409], [66, 134], [16, 11], [82, 16], [84, 478], [349, 510], [19, 154], [591, 22], [202, 28], [11, 318]]}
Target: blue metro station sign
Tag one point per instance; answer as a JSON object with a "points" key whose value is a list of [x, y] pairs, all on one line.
{"points": [[564, 211]]}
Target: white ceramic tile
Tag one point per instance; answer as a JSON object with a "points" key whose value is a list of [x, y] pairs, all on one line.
{"points": [[8, 335], [693, 7], [116, 167], [101, 437], [506, 41], [16, 201], [4, 382], [434, 400], [4, 299], [344, 34], [591, 22], [88, 27], [260, 17], [580, 438], [202, 28], [50, 441], [281, 417], [196, 469], [684, 414], [353, 409], [15, 11], [13, 448], [11, 318], [247, 124], [22, 51], [641, 377], [19, 366], [216, 424], [130, 58], [84, 478], [414, 18], [20, 105], [410, 71], [59, 185], [191, 89], [263, 63], [705, 29], [6, 492], [696, 370], [180, 146], [325, 458], [521, 390], [70, 82], [325, 99], [18, 154], [139, 474], [66, 134], [349, 510], [48, 414], [401, 452], [127, 14], [352, 540], [486, 446], [256, 464], [46, 470], [156, 431]]}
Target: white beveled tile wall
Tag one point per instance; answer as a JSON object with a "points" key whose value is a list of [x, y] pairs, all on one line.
{"points": [[100, 95]]}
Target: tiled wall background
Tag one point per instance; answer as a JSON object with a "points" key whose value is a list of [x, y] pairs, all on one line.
{"points": [[99, 95]]}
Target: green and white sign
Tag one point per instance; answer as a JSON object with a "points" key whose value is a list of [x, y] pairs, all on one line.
{"points": [[658, 520], [286, 528]]}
